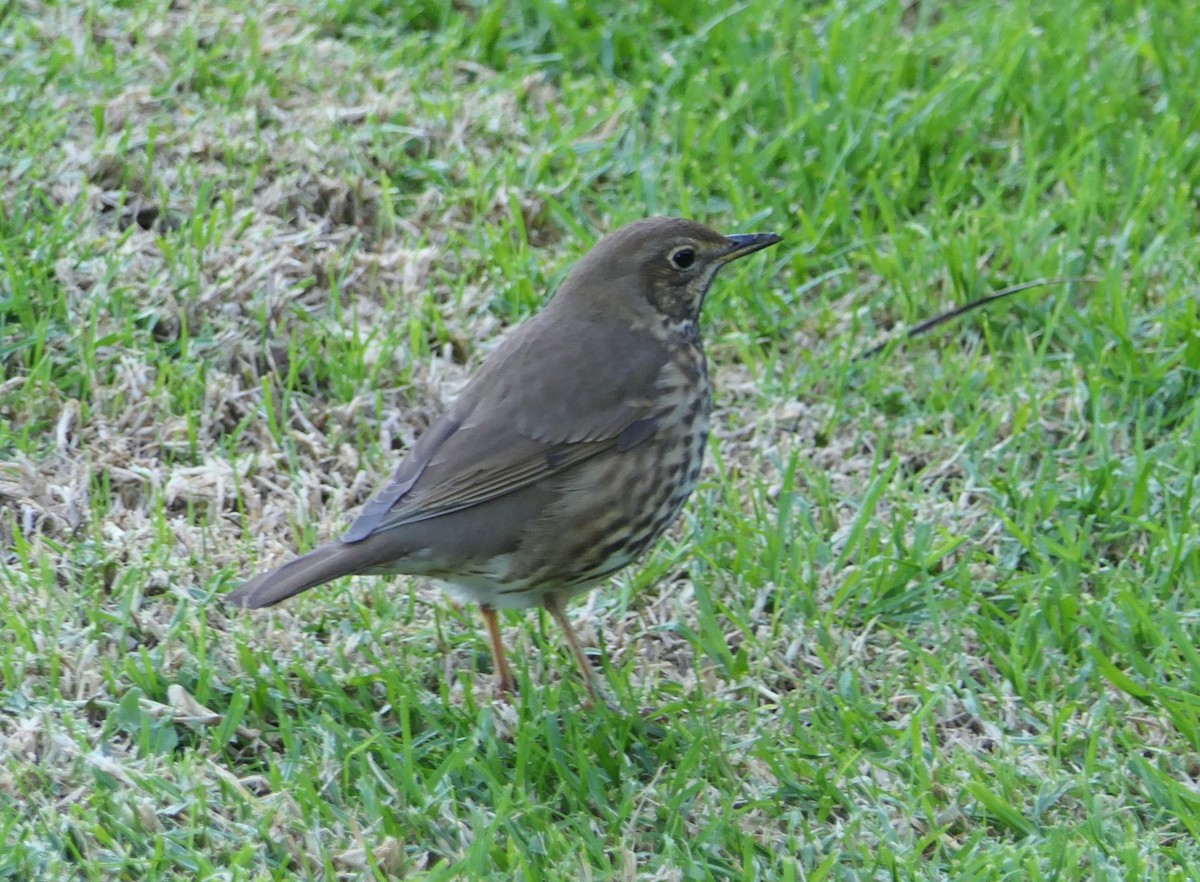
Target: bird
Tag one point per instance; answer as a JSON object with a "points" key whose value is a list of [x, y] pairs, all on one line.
{"points": [[572, 448]]}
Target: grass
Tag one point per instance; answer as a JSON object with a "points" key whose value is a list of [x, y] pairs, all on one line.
{"points": [[932, 615]]}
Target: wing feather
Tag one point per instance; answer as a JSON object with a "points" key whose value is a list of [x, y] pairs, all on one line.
{"points": [[500, 436]]}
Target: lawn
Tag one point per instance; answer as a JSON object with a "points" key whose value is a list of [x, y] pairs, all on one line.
{"points": [[932, 614]]}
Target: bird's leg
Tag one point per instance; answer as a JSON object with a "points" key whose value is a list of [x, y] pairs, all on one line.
{"points": [[507, 687], [556, 603]]}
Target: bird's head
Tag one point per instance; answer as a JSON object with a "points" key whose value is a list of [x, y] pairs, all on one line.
{"points": [[656, 267]]}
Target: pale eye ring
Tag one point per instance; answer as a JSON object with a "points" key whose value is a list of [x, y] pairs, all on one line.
{"points": [[683, 258]]}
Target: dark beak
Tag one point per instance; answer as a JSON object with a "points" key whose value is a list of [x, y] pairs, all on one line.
{"points": [[747, 243]]}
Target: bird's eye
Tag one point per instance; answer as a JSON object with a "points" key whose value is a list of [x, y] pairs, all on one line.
{"points": [[682, 258]]}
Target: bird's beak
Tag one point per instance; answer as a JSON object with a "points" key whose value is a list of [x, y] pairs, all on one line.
{"points": [[742, 244]]}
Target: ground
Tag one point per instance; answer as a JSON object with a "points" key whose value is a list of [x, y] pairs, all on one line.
{"points": [[931, 615]]}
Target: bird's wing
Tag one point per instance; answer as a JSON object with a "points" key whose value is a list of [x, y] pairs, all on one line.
{"points": [[537, 406]]}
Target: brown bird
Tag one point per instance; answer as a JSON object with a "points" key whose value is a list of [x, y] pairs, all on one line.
{"points": [[570, 451]]}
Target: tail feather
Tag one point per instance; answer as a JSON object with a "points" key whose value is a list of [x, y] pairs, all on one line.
{"points": [[315, 568]]}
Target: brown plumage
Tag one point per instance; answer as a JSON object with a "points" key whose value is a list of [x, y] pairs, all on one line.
{"points": [[570, 451]]}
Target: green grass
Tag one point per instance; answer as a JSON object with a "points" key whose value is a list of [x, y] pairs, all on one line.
{"points": [[932, 615]]}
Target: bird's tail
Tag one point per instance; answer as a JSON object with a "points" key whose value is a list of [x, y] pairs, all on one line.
{"points": [[315, 568]]}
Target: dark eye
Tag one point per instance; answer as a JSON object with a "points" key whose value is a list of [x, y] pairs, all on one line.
{"points": [[682, 258]]}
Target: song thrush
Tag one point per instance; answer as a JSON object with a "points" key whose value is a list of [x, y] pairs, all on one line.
{"points": [[570, 451]]}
